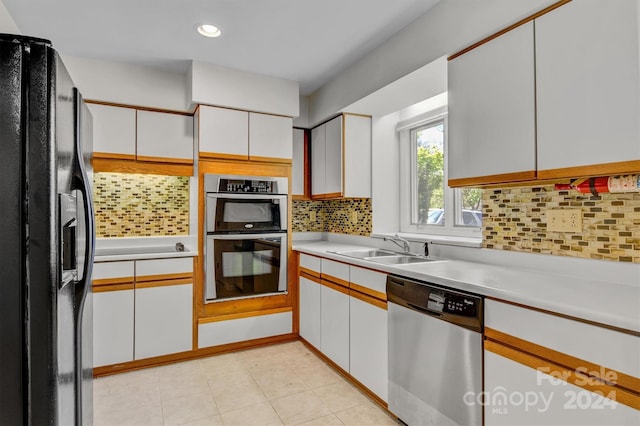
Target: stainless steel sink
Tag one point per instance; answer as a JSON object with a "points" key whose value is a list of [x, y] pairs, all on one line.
{"points": [[362, 254], [400, 260], [386, 257]]}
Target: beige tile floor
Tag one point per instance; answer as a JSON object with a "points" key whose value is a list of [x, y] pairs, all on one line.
{"points": [[274, 385]]}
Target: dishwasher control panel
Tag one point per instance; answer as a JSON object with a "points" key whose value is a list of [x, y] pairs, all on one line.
{"points": [[447, 304]]}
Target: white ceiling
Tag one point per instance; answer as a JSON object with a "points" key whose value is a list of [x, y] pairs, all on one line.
{"points": [[309, 41]]}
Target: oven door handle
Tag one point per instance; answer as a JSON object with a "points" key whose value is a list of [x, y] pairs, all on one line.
{"points": [[256, 236], [250, 196]]}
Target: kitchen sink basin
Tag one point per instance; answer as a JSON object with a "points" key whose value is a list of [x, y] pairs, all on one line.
{"points": [[362, 254], [400, 260]]}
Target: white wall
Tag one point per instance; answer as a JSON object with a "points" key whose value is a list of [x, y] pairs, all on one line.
{"points": [[385, 199], [302, 120], [128, 84], [448, 27], [7, 25], [220, 86]]}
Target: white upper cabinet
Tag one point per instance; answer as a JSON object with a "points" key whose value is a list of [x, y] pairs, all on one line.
{"points": [[492, 110], [114, 130], [333, 157], [270, 136], [341, 158], [549, 99], [241, 135], [588, 85], [223, 133], [318, 159], [163, 135], [299, 172]]}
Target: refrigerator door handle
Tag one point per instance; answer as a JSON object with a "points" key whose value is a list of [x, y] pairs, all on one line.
{"points": [[82, 184]]}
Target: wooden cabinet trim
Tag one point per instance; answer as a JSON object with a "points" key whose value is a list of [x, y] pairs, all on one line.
{"points": [[326, 196], [618, 393], [529, 175], [509, 28], [113, 156], [334, 280], [222, 156], [139, 107], [114, 165], [310, 277], [112, 287], [112, 284], [592, 170], [548, 357], [368, 299], [164, 160], [336, 287], [271, 160], [369, 292], [165, 277], [150, 284], [240, 315], [239, 306]]}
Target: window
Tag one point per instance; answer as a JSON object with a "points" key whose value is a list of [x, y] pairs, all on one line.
{"points": [[428, 205]]}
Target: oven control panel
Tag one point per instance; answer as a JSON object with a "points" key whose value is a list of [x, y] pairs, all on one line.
{"points": [[245, 185]]}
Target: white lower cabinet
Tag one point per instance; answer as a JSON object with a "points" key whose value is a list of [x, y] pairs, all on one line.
{"points": [[348, 325], [163, 320], [112, 327], [520, 395], [334, 325], [310, 311], [368, 355], [140, 311]]}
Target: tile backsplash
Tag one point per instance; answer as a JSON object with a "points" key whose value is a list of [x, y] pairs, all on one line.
{"points": [[333, 216], [516, 219], [137, 205]]}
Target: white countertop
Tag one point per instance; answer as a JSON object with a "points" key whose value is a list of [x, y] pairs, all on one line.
{"points": [[609, 303], [138, 248]]}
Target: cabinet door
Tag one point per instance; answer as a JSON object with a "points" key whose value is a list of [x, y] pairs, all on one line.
{"points": [[318, 160], [334, 325], [165, 137], [310, 311], [333, 157], [270, 136], [164, 319], [520, 395], [299, 165], [492, 111], [357, 156], [112, 327], [588, 83], [223, 133], [114, 130], [368, 346]]}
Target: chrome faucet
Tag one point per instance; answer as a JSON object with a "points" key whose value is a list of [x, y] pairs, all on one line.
{"points": [[404, 246]]}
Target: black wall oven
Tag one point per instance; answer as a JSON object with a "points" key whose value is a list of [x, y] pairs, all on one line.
{"points": [[246, 242]]}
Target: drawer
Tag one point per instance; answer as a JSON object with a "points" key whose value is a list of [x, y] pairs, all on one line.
{"points": [[335, 271], [311, 263], [372, 280], [154, 267], [599, 345], [111, 270]]}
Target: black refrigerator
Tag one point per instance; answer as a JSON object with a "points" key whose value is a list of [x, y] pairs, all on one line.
{"points": [[47, 239]]}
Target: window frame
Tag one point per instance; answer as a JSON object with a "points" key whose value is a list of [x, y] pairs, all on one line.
{"points": [[408, 184]]}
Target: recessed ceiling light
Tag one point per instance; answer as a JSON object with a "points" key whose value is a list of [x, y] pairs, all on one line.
{"points": [[209, 30]]}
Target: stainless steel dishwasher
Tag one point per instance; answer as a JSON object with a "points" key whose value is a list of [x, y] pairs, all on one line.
{"points": [[435, 353]]}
